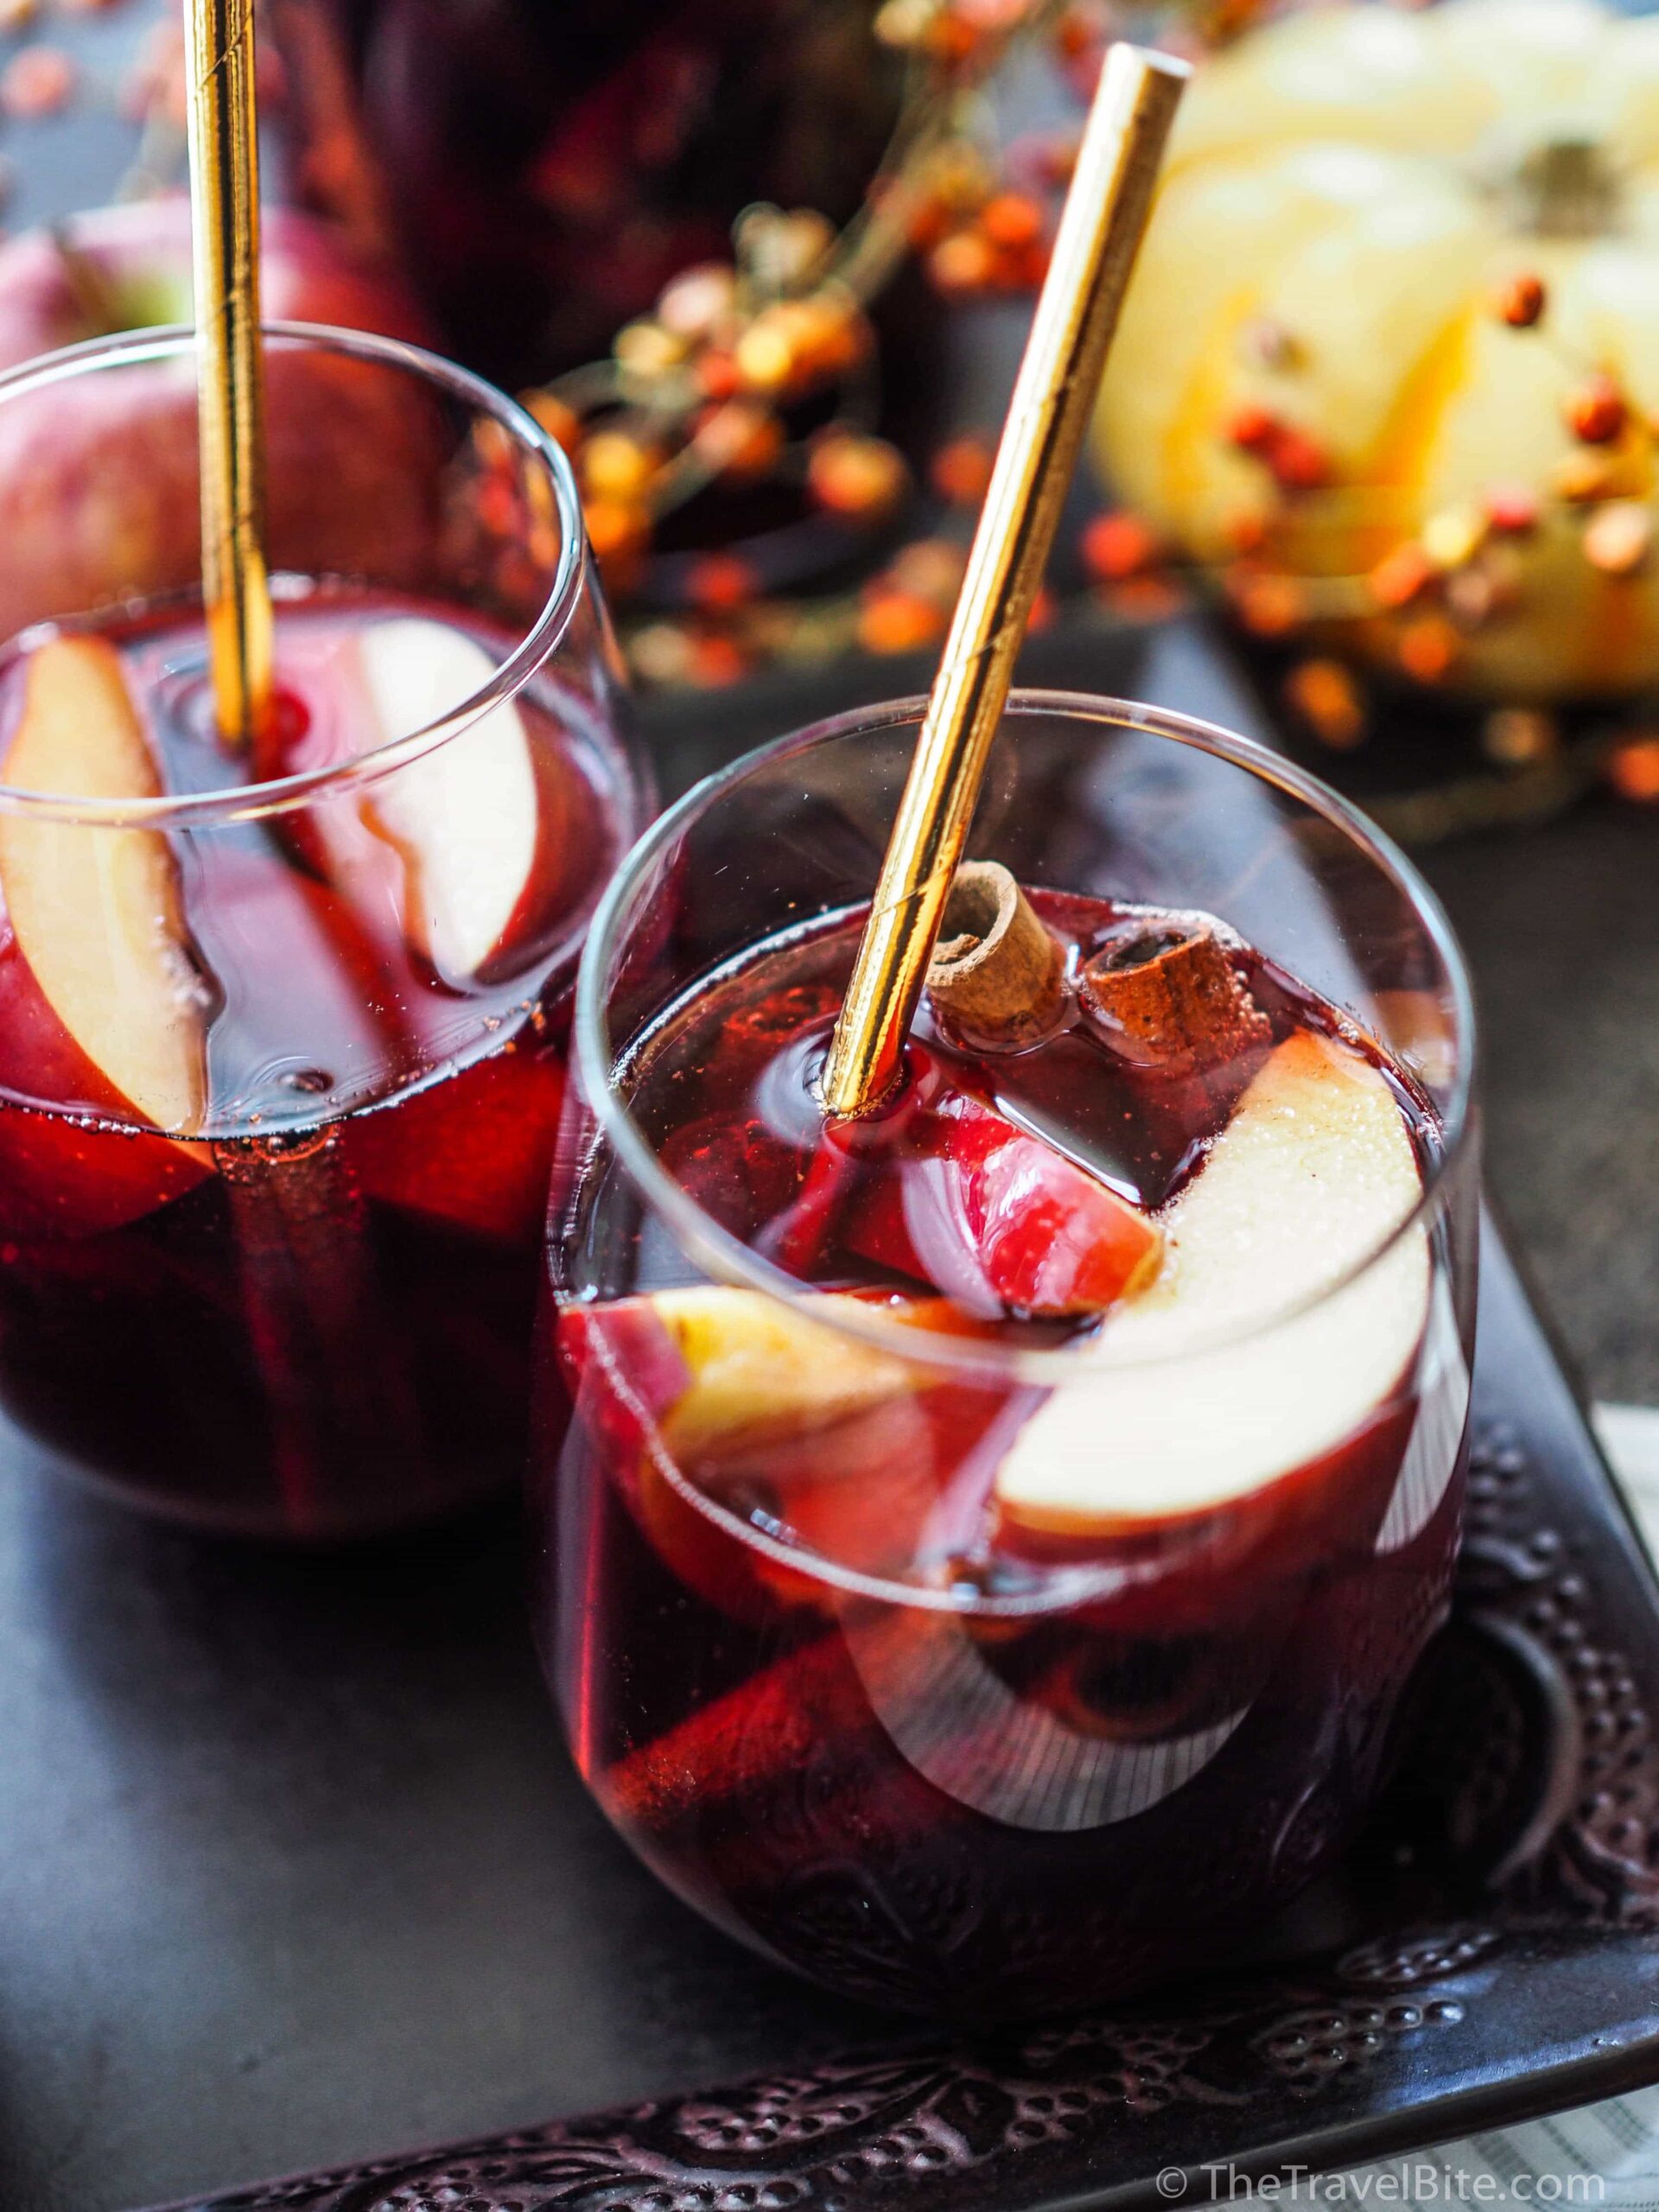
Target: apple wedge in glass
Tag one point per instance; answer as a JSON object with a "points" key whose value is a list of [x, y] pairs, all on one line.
{"points": [[283, 1024], [985, 1546]]}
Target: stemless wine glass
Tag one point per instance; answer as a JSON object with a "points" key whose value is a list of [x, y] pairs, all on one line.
{"points": [[953, 1794], [282, 1031]]}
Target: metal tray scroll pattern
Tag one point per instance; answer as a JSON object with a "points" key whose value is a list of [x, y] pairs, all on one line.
{"points": [[1508, 1897]]}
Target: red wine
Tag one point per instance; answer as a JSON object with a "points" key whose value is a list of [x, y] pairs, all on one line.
{"points": [[847, 1663], [301, 1304]]}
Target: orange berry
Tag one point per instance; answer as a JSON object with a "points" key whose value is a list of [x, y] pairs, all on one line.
{"points": [[1118, 545], [719, 582], [1520, 302], [1078, 30], [1516, 737], [1323, 693], [859, 477], [1428, 648], [1252, 429], [1151, 598], [615, 529], [1011, 219], [765, 356], [898, 622], [1044, 609], [1246, 531], [1299, 463], [1511, 507], [562, 423], [964, 261], [929, 569], [615, 465], [716, 374], [1399, 576], [1595, 410], [1618, 537], [1633, 770], [1579, 477], [951, 37], [961, 470], [694, 303], [740, 439], [645, 348], [829, 332], [1269, 603], [716, 660]]}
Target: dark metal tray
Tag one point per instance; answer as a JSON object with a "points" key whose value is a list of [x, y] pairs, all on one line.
{"points": [[1486, 1952]]}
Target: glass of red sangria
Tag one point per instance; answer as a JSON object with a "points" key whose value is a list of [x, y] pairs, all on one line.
{"points": [[983, 1548], [282, 1025]]}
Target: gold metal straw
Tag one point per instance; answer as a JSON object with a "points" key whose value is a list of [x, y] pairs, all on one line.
{"points": [[224, 201], [1105, 216]]}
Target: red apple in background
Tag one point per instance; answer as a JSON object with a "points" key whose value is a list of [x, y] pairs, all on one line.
{"points": [[98, 477]]}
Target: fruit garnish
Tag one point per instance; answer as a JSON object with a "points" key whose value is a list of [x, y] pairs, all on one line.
{"points": [[722, 1369], [1001, 1221], [742, 1741], [463, 818], [472, 1151], [1311, 1174], [96, 913]]}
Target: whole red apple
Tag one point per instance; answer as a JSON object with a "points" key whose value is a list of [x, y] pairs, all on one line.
{"points": [[98, 477]]}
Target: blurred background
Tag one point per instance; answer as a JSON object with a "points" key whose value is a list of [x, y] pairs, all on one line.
{"points": [[1373, 471]]}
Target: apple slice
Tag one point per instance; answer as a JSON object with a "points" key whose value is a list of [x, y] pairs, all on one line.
{"points": [[1311, 1173], [97, 913], [1001, 1221], [758, 1371], [463, 820], [472, 1152]]}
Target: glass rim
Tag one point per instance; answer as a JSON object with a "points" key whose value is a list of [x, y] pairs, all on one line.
{"points": [[282, 795], [728, 1260]]}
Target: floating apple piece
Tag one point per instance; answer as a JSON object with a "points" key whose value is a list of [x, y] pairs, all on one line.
{"points": [[464, 818], [1310, 1175], [97, 912], [1001, 1221], [743, 1740], [472, 1151], [103, 1008], [755, 1371], [437, 855]]}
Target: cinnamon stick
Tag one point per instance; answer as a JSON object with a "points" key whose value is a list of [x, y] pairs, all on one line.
{"points": [[1164, 992], [998, 974]]}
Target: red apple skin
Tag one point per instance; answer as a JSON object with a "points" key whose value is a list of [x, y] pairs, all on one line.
{"points": [[97, 478], [1045, 1238], [58, 1178], [472, 1151]]}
